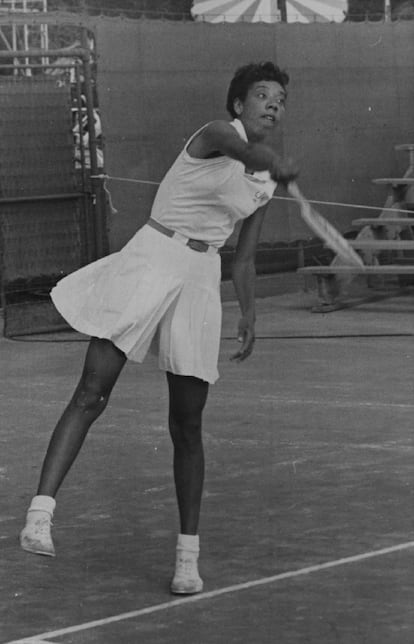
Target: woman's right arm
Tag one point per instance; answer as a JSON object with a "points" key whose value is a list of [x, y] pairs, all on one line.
{"points": [[221, 137]]}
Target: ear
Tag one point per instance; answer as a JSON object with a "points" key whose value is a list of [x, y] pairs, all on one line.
{"points": [[238, 106]]}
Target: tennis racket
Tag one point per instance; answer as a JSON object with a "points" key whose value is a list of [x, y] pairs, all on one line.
{"points": [[323, 229]]}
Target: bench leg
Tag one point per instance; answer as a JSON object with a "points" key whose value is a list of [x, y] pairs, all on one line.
{"points": [[329, 289]]}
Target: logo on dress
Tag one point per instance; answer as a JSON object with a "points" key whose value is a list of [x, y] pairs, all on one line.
{"points": [[260, 196]]}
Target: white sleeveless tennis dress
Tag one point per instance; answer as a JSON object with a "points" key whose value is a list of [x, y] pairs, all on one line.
{"points": [[157, 290]]}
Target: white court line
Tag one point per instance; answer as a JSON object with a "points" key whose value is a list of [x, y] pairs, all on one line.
{"points": [[333, 403], [35, 640], [43, 638], [263, 398]]}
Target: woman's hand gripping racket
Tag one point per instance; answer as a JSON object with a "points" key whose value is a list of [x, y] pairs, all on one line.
{"points": [[323, 229]]}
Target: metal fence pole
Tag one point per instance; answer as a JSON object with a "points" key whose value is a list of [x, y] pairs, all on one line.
{"points": [[96, 183]]}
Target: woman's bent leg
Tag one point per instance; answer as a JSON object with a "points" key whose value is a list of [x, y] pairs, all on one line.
{"points": [[188, 396], [103, 364], [102, 367]]}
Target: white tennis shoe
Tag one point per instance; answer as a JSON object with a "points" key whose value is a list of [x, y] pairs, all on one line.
{"points": [[36, 535], [186, 580]]}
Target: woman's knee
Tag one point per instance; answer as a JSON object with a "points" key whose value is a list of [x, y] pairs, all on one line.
{"points": [[188, 396], [91, 396], [185, 430]]}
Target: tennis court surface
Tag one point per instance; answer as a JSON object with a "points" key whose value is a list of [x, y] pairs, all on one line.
{"points": [[307, 531]]}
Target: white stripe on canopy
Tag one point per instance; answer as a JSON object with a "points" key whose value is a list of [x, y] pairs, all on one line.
{"points": [[233, 14], [306, 11], [265, 12], [325, 9], [199, 8]]}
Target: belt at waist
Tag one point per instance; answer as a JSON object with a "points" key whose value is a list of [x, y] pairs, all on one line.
{"points": [[195, 244]]}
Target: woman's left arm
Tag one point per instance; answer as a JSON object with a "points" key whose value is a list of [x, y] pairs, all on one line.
{"points": [[244, 279]]}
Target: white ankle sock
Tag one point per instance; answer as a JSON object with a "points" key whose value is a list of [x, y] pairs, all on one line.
{"points": [[188, 542], [43, 503]]}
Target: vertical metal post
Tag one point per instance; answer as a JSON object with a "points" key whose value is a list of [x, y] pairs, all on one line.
{"points": [[14, 41], [283, 11], [79, 119], [26, 38], [44, 34], [89, 240], [2, 268], [96, 183]]}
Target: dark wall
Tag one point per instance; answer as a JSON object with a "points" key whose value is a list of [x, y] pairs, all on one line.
{"points": [[351, 99]]}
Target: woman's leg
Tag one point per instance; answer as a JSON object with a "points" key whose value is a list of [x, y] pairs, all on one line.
{"points": [[188, 396], [103, 364], [102, 367]]}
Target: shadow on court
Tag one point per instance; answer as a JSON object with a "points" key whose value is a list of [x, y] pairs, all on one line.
{"points": [[307, 525]]}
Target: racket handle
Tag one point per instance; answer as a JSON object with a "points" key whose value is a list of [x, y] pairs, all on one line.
{"points": [[293, 190]]}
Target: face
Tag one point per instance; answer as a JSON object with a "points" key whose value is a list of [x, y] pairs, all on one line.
{"points": [[262, 109]]}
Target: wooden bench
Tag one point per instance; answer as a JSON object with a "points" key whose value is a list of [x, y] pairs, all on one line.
{"points": [[407, 147], [329, 286], [384, 221], [382, 244], [383, 237], [401, 190], [395, 181], [381, 269]]}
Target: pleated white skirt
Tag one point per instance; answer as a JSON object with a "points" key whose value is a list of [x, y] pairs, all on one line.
{"points": [[155, 292]]}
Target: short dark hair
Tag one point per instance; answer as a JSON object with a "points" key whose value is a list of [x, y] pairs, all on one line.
{"points": [[247, 75]]}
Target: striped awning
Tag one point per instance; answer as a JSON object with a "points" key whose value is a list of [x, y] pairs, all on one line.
{"points": [[217, 11]]}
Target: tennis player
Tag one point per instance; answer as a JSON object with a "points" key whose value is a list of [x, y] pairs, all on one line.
{"points": [[162, 291]]}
